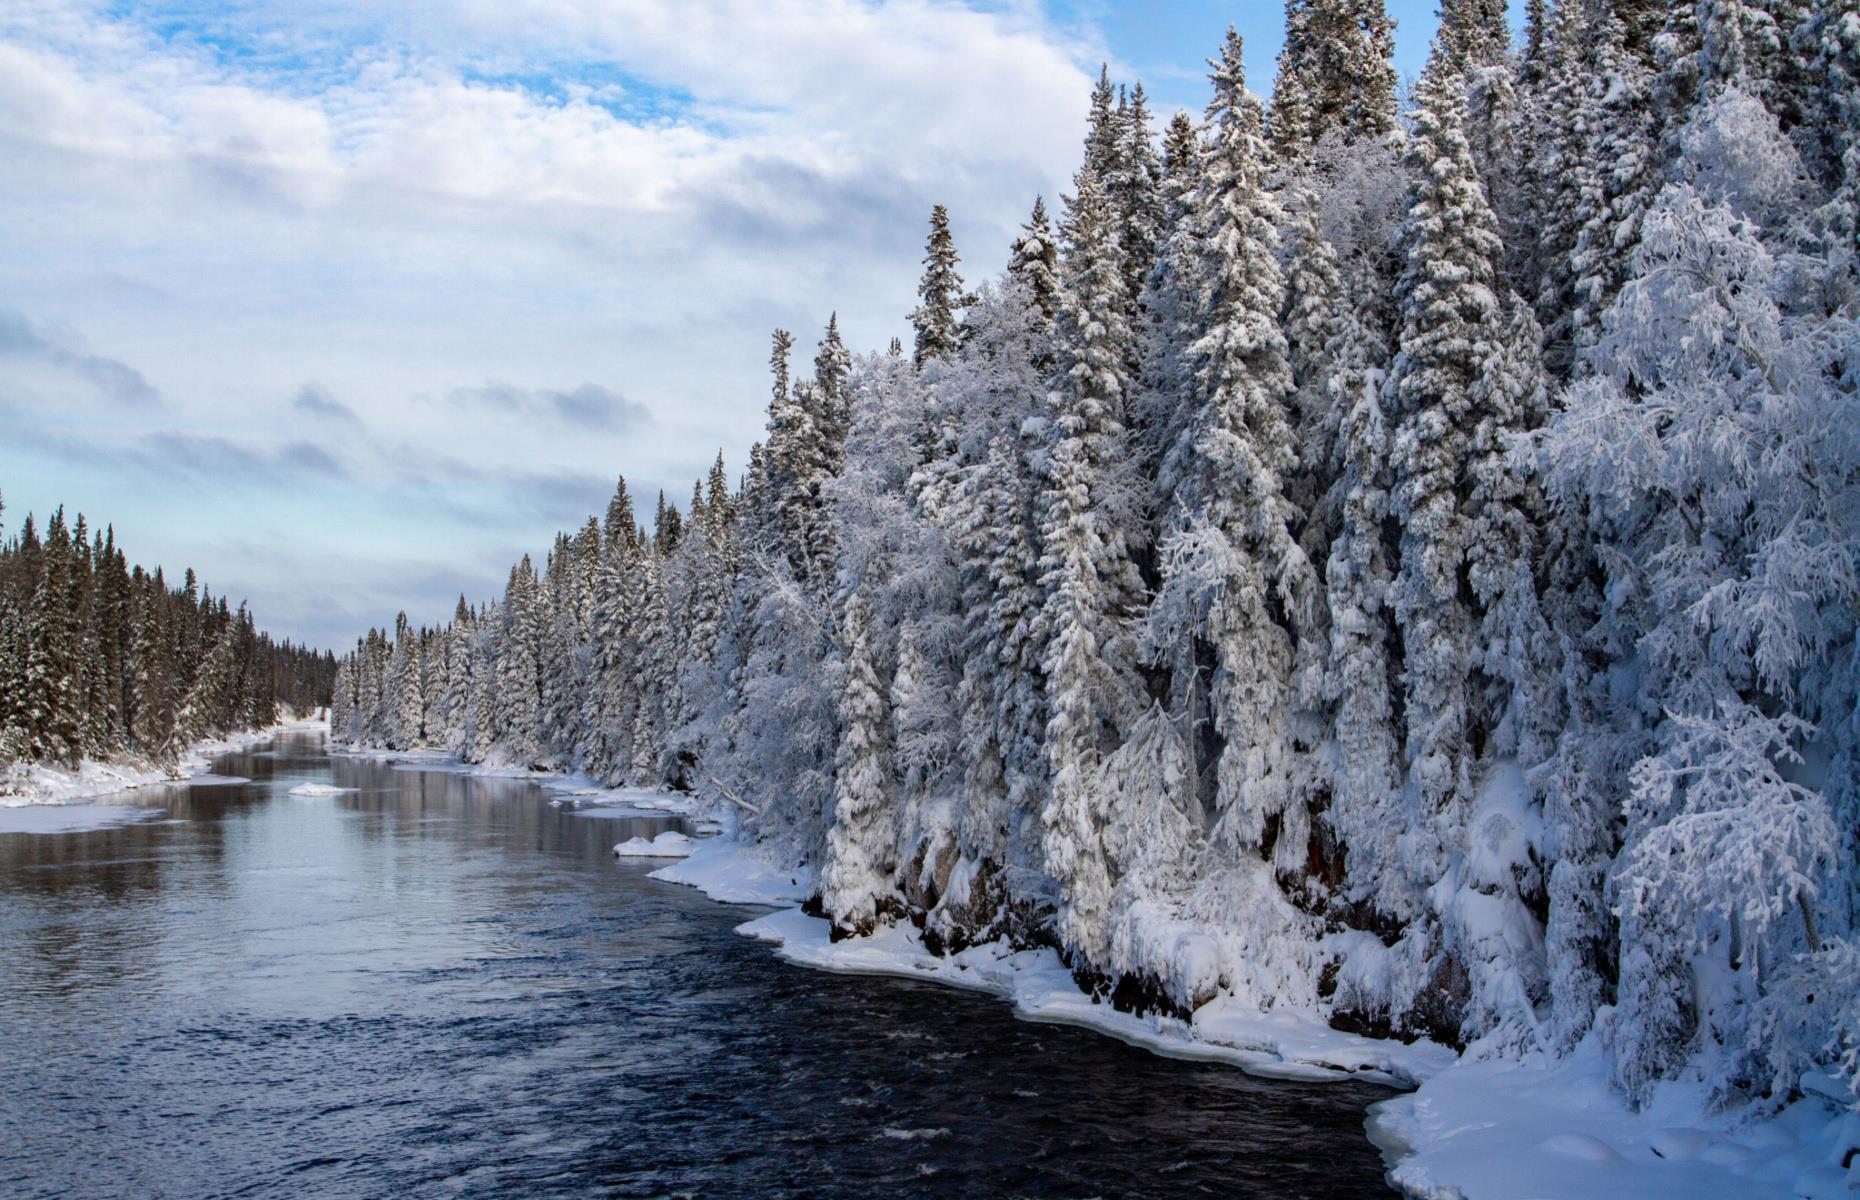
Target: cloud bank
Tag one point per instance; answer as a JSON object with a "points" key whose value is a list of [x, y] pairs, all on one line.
{"points": [[520, 247]]}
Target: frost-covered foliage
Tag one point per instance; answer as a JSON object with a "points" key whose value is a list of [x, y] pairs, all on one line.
{"points": [[1402, 568], [1713, 452]]}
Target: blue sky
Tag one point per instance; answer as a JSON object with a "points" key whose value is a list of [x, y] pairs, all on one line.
{"points": [[347, 305]]}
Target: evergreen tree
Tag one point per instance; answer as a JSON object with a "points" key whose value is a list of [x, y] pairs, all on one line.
{"points": [[857, 873], [1087, 573], [1136, 192], [939, 293], [152, 718], [205, 709], [519, 667], [1235, 577], [1035, 259], [1336, 78], [52, 715], [1363, 638], [1448, 316]]}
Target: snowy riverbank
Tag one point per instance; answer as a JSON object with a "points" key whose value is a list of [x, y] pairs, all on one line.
{"points": [[1498, 1130], [43, 784]]}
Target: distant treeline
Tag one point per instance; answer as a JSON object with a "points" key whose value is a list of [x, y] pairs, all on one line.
{"points": [[102, 660]]}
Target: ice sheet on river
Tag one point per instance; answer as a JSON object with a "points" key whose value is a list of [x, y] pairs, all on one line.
{"points": [[73, 818]]}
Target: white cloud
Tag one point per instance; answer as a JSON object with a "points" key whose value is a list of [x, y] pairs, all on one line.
{"points": [[616, 194]]}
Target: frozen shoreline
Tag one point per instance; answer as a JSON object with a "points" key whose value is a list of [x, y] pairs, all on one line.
{"points": [[1278, 1045], [1469, 1130], [39, 784]]}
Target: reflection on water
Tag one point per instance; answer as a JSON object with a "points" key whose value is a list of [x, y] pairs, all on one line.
{"points": [[440, 984]]}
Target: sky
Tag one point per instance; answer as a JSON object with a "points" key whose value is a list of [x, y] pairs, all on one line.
{"points": [[347, 305]]}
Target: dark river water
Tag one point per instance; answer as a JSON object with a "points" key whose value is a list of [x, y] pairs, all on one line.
{"points": [[441, 985]]}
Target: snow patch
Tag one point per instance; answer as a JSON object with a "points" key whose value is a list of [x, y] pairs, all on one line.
{"points": [[670, 844], [729, 871], [1558, 1130], [319, 789]]}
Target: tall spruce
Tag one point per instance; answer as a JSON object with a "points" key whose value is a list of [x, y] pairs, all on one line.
{"points": [[939, 293]]}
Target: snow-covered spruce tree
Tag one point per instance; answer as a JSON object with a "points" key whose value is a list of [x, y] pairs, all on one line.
{"points": [[1162, 402], [707, 567], [1620, 149], [1560, 169], [996, 885], [653, 677], [832, 383], [607, 710], [201, 710], [53, 718], [560, 637], [403, 687], [455, 702], [1314, 296], [519, 667], [1103, 131], [1475, 35], [111, 629], [806, 435], [940, 295], [1336, 80], [342, 703], [1035, 261], [1829, 42], [1237, 590], [1090, 582], [858, 874], [1136, 193], [1449, 318], [1368, 812], [153, 715], [487, 715], [780, 734], [1454, 397]]}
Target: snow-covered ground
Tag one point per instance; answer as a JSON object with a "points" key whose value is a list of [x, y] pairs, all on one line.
{"points": [[39, 783], [1555, 1130], [1471, 1130]]}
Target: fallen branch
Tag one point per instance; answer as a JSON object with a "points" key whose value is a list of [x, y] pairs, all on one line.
{"points": [[732, 797]]}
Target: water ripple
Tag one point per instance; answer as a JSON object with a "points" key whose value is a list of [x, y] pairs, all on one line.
{"points": [[438, 985]]}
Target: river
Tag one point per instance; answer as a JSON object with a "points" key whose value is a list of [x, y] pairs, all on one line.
{"points": [[440, 984]]}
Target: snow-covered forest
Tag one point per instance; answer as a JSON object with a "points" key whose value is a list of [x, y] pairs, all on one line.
{"points": [[1393, 558], [99, 661]]}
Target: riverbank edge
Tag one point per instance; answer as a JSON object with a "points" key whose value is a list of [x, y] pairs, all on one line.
{"points": [[1468, 1129], [29, 784]]}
